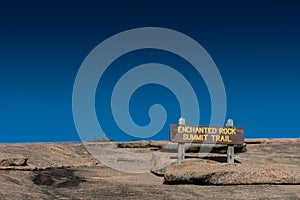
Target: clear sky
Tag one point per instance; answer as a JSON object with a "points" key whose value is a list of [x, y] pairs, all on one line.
{"points": [[255, 45]]}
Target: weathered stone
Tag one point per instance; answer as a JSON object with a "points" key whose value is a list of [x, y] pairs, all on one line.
{"points": [[143, 144], [166, 146], [210, 173], [12, 160], [222, 149], [159, 143], [135, 144], [160, 162], [38, 156]]}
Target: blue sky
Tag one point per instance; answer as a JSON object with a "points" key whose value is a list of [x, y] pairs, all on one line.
{"points": [[255, 45]]}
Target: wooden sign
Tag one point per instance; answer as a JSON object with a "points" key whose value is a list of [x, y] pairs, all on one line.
{"points": [[206, 134]]}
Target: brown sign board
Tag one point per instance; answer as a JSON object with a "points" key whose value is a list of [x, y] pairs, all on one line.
{"points": [[206, 134]]}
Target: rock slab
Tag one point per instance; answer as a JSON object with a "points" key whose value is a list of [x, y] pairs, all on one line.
{"points": [[206, 173], [12, 160]]}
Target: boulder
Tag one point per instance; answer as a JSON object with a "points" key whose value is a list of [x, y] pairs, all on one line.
{"points": [[209, 173], [160, 161]]}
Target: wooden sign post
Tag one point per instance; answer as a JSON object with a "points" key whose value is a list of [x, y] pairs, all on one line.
{"points": [[228, 135], [181, 149], [230, 147]]}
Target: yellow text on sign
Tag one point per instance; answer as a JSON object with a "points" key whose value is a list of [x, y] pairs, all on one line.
{"points": [[214, 138], [206, 130]]}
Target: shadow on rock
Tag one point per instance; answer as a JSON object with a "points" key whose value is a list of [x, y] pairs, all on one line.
{"points": [[220, 159], [57, 178]]}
